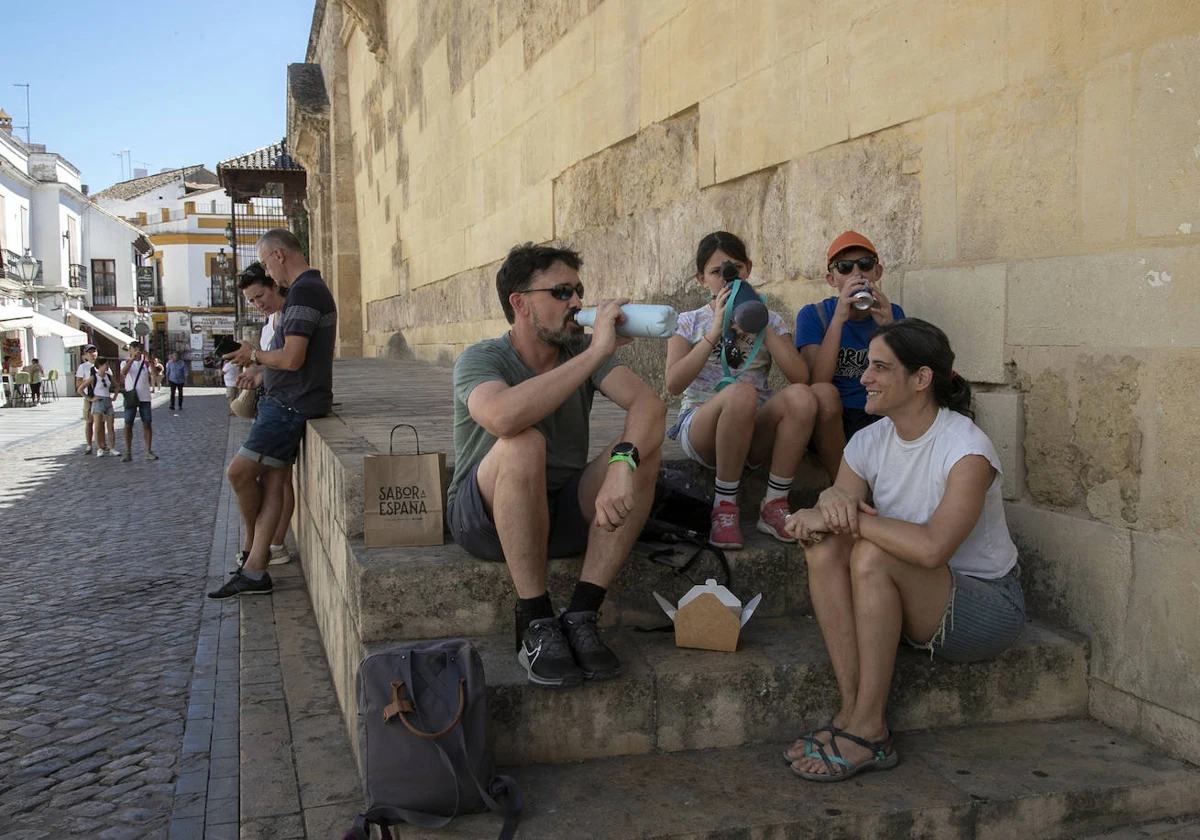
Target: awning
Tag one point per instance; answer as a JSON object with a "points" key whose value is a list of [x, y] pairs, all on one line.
{"points": [[20, 317], [103, 326]]}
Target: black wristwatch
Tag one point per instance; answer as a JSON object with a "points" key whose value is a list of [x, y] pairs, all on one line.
{"points": [[627, 452]]}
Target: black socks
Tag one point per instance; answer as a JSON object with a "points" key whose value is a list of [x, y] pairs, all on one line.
{"points": [[587, 597]]}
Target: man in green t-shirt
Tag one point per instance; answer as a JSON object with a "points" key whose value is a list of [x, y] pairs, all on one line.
{"points": [[523, 489]]}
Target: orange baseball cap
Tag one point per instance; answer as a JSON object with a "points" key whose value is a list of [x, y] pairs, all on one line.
{"points": [[849, 239]]}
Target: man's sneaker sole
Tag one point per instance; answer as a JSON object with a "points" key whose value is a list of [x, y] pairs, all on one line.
{"points": [[279, 561], [769, 531], [562, 682], [217, 596], [598, 676]]}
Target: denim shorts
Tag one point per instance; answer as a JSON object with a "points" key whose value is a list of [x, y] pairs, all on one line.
{"points": [[102, 406], [680, 431], [275, 437], [143, 408], [472, 527], [982, 619]]}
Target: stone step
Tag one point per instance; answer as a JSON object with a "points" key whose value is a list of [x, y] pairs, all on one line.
{"points": [[428, 593], [1033, 781], [671, 699]]}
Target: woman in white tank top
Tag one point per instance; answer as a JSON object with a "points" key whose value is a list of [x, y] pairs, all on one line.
{"points": [[910, 542]]}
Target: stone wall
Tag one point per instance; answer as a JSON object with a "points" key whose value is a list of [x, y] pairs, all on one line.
{"points": [[1029, 169]]}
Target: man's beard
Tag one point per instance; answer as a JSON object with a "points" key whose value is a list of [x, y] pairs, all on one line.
{"points": [[569, 336]]}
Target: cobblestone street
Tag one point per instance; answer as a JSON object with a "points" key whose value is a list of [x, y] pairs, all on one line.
{"points": [[105, 565]]}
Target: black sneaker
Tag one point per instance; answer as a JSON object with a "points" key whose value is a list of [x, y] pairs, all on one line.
{"points": [[546, 656], [239, 584], [594, 657]]}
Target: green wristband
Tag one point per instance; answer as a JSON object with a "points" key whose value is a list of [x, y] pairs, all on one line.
{"points": [[626, 458]]}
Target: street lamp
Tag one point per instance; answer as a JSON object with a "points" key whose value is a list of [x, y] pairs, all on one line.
{"points": [[27, 267], [222, 260]]}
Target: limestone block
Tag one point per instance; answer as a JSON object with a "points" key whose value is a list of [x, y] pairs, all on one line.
{"points": [[777, 113], [1105, 151], [1171, 455], [950, 53], [1016, 174], [569, 61], [654, 82], [1168, 138], [499, 71], [1001, 415], [939, 188], [1108, 435], [608, 109], [699, 37], [1140, 298], [1051, 458], [1077, 573], [1164, 611], [1095, 32], [772, 30], [968, 303], [860, 186]]}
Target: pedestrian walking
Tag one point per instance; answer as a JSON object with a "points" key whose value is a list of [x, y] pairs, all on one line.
{"points": [[82, 374], [135, 373], [97, 391], [156, 375], [230, 373], [176, 377], [35, 381]]}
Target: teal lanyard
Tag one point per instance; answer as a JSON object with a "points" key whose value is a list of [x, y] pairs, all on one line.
{"points": [[729, 378]]}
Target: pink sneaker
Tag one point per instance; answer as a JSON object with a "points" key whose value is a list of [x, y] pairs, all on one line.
{"points": [[725, 532], [772, 516]]}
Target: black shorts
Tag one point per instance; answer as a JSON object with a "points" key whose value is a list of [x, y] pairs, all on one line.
{"points": [[472, 527]]}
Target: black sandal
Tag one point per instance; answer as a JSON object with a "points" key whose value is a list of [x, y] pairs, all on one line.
{"points": [[838, 769]]}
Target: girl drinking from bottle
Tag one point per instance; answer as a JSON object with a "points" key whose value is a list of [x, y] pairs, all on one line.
{"points": [[729, 419]]}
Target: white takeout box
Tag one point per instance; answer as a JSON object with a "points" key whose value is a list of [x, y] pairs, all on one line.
{"points": [[708, 616]]}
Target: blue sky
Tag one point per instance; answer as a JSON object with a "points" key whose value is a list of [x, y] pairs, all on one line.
{"points": [[175, 83]]}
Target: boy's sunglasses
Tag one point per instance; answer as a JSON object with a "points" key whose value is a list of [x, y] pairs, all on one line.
{"points": [[562, 291], [846, 266]]}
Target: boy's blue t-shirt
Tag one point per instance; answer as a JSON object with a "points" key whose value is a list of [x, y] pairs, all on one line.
{"points": [[852, 352]]}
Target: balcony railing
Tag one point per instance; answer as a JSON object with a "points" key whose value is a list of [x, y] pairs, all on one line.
{"points": [[78, 276]]}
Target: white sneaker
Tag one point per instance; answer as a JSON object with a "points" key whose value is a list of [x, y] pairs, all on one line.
{"points": [[114, 453], [100, 453], [279, 556]]}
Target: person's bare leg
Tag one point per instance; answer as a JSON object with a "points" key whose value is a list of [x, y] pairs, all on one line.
{"points": [[608, 550], [271, 483], [828, 437], [129, 439], [782, 428], [110, 421], [512, 484], [833, 605], [285, 513], [889, 595], [243, 477], [148, 435], [721, 429], [89, 426], [96, 421]]}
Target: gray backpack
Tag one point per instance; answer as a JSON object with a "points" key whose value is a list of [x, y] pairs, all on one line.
{"points": [[422, 740]]}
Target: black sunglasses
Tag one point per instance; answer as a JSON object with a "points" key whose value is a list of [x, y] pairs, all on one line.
{"points": [[562, 291], [846, 266]]}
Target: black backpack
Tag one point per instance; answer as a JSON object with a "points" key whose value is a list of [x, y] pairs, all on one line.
{"points": [[676, 534]]}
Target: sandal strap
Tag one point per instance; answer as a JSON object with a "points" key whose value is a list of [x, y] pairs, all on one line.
{"points": [[876, 747], [830, 760]]}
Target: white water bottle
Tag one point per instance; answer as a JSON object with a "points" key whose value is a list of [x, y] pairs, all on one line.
{"points": [[642, 320]]}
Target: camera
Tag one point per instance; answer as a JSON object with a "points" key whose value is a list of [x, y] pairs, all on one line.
{"points": [[749, 312]]}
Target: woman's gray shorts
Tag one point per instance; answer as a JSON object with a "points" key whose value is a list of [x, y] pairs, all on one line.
{"points": [[982, 619]]}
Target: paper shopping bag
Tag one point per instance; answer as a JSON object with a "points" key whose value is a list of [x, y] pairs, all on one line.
{"points": [[403, 497]]}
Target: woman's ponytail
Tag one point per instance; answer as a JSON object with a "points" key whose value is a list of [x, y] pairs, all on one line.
{"points": [[957, 396]]}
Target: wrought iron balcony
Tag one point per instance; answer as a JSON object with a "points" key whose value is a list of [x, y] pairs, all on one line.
{"points": [[78, 276]]}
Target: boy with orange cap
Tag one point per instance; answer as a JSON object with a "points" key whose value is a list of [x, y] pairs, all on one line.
{"points": [[833, 336]]}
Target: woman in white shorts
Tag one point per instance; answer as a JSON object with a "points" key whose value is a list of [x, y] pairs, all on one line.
{"points": [[99, 390], [910, 542]]}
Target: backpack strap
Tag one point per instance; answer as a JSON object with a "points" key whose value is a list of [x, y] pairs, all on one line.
{"points": [[821, 314], [729, 378]]}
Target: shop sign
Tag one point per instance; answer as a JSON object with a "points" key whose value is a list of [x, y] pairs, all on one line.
{"points": [[145, 281], [215, 323]]}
